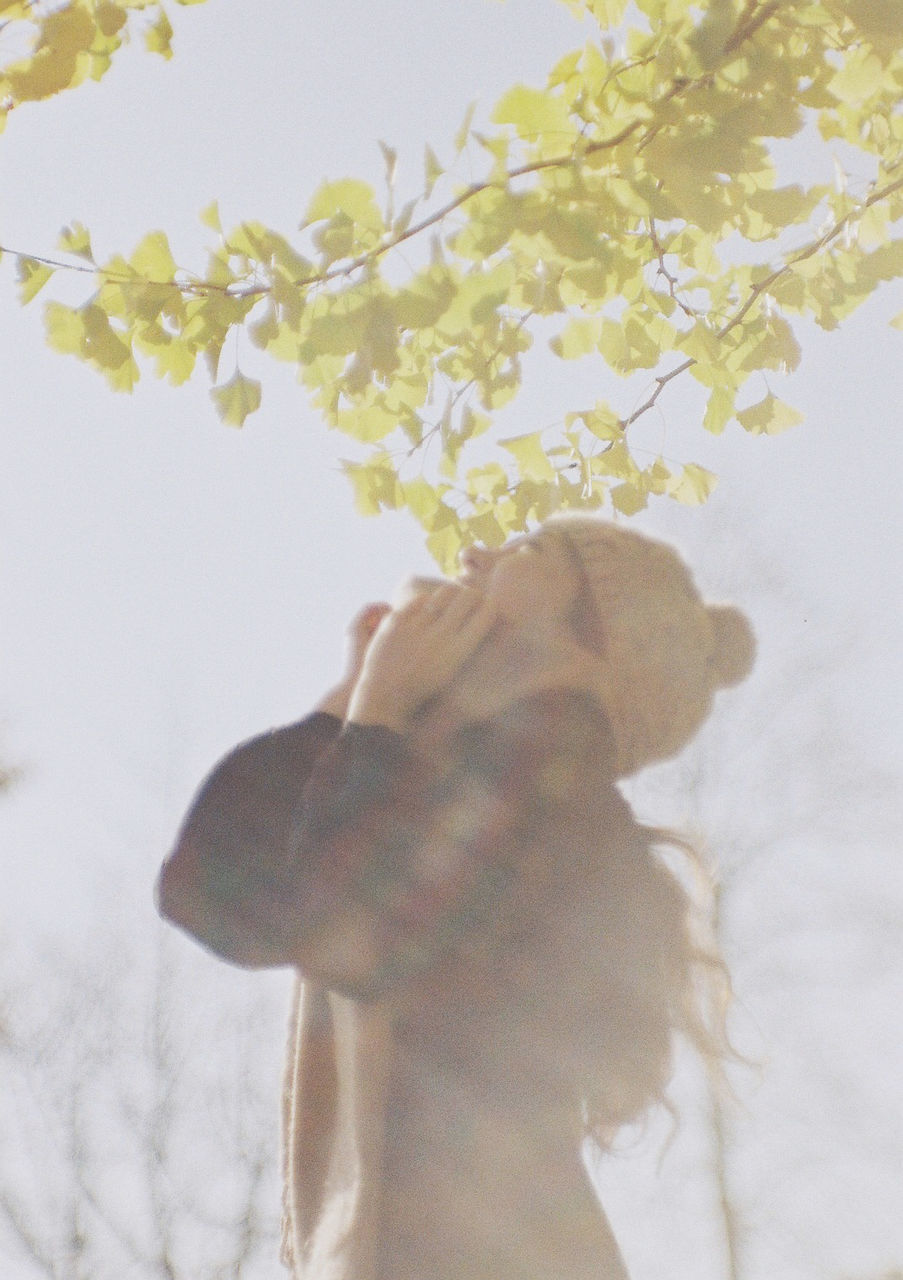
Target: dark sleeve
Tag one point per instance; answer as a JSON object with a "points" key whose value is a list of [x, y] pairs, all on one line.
{"points": [[402, 854], [361, 859], [227, 878]]}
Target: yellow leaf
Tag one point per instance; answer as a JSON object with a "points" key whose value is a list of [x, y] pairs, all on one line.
{"points": [[897, 322], [103, 345], [158, 36], [719, 410], [236, 398], [531, 459], [486, 482], [65, 328], [463, 133], [628, 499], [64, 35], [858, 79], [693, 486], [614, 348], [601, 421], [769, 416], [375, 485], [444, 545], [432, 169], [110, 17], [421, 499], [122, 377], [579, 337], [174, 358], [210, 217], [533, 112], [348, 196], [153, 260], [76, 239], [33, 275]]}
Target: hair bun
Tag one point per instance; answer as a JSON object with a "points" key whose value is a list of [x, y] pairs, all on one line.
{"points": [[734, 649]]}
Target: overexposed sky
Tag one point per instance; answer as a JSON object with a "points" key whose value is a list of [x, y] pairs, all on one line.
{"points": [[169, 585]]}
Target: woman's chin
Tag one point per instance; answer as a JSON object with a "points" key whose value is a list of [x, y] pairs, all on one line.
{"points": [[416, 586]]}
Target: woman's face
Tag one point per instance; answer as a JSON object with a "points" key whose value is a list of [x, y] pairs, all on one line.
{"points": [[532, 580]]}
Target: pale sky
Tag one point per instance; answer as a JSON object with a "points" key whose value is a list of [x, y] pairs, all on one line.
{"points": [[170, 586]]}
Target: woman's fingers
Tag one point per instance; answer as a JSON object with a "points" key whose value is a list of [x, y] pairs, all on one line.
{"points": [[361, 630]]}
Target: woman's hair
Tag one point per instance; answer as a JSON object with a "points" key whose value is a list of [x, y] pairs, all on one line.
{"points": [[664, 977]]}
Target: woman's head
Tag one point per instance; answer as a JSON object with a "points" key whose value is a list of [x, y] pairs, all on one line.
{"points": [[659, 652]]}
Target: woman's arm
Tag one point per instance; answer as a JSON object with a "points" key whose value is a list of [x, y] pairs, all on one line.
{"points": [[348, 853], [224, 882]]}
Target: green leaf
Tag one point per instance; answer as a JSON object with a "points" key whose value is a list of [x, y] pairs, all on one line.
{"points": [[769, 416], [236, 398]]}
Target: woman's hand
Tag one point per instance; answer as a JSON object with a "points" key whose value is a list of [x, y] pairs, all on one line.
{"points": [[416, 651], [360, 632]]}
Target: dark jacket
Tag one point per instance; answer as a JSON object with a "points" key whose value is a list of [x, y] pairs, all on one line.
{"points": [[459, 910]]}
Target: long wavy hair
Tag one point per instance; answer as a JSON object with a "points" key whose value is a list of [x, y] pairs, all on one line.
{"points": [[647, 970]]}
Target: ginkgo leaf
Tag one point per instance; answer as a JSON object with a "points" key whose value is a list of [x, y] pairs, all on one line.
{"points": [[533, 112], [64, 327], [694, 485], [578, 338], [432, 170], [76, 239], [349, 196], [153, 259], [210, 217], [528, 453], [631, 209], [158, 36], [236, 398], [768, 416], [463, 132], [33, 275]]}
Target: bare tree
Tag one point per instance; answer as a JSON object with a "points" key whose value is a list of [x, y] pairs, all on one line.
{"points": [[803, 1164], [138, 1132]]}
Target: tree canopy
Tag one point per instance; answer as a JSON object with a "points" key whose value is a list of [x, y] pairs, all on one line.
{"points": [[632, 214]]}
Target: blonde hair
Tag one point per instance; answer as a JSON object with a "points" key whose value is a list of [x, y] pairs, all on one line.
{"points": [[676, 983]]}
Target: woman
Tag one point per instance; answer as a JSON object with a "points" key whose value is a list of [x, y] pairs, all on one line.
{"points": [[492, 958]]}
